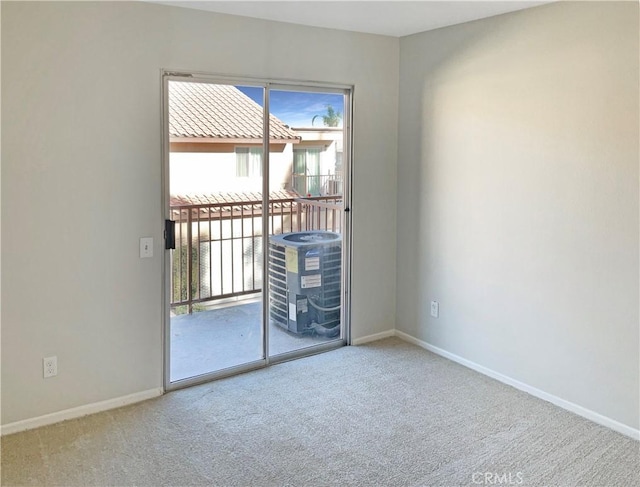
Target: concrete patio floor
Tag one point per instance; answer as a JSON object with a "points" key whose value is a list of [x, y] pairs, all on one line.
{"points": [[216, 339]]}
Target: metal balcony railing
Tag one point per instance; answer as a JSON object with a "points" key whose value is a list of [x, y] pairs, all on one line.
{"points": [[317, 185], [218, 252]]}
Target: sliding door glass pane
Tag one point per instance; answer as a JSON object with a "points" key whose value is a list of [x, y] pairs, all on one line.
{"points": [[306, 222], [215, 171]]}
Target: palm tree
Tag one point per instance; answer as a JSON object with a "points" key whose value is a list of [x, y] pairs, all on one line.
{"points": [[331, 119]]}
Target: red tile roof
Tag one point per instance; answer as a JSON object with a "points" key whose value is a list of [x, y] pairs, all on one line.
{"points": [[230, 198], [225, 205], [210, 111]]}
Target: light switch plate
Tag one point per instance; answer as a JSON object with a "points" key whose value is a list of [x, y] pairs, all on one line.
{"points": [[146, 247]]}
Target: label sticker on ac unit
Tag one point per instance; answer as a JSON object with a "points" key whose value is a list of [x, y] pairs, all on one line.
{"points": [[291, 259], [314, 280], [312, 263], [292, 311], [303, 306]]}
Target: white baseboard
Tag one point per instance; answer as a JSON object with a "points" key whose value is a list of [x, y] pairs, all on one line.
{"points": [[569, 406], [97, 407], [374, 337], [79, 411]]}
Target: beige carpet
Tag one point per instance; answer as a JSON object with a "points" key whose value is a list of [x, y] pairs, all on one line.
{"points": [[383, 414]]}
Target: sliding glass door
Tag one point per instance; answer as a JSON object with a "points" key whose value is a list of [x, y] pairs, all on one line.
{"points": [[306, 257], [256, 192], [215, 179]]}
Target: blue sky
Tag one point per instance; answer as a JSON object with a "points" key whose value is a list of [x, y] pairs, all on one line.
{"points": [[296, 108]]}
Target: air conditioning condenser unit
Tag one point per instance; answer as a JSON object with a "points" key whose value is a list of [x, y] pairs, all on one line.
{"points": [[305, 282]]}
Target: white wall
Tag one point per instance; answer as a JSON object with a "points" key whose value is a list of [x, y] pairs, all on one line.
{"points": [[81, 180], [211, 172], [518, 198]]}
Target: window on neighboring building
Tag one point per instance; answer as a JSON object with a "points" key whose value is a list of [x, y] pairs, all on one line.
{"points": [[248, 162], [306, 170]]}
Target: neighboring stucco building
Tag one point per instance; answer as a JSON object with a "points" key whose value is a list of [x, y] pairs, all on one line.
{"points": [[216, 146], [216, 141]]}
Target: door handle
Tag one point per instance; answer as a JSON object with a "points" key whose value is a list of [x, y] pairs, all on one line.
{"points": [[169, 234]]}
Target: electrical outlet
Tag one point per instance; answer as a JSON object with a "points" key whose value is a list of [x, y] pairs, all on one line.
{"points": [[50, 366], [435, 309]]}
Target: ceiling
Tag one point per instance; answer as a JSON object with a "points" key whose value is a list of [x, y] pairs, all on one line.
{"points": [[390, 18]]}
